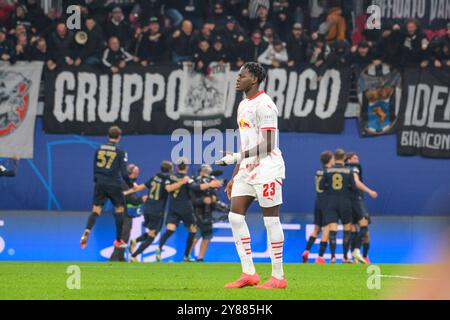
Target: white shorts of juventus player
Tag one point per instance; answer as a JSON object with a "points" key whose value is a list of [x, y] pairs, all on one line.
{"points": [[259, 176]]}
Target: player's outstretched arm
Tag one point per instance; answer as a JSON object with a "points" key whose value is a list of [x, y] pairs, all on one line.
{"points": [[263, 148], [177, 185], [134, 190], [361, 186]]}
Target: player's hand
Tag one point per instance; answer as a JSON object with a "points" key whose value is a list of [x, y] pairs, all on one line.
{"points": [[228, 188], [185, 179], [215, 184], [373, 194], [229, 158]]}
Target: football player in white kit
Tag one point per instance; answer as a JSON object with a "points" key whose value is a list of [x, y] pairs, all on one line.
{"points": [[259, 174]]}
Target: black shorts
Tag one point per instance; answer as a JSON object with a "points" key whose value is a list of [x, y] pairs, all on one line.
{"points": [[338, 208], [359, 210], [204, 224], [153, 220], [176, 217], [318, 213], [204, 230], [103, 192]]}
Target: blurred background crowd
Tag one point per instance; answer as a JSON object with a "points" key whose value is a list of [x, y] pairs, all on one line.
{"points": [[278, 33]]}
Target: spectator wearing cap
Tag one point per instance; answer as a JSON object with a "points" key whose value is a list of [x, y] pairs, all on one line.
{"points": [[7, 50], [275, 55], [182, 42], [414, 45], [339, 56], [235, 39], [115, 57], [336, 25], [297, 45], [218, 51], [118, 27], [153, 47], [361, 56], [90, 51], [61, 47], [255, 47]]}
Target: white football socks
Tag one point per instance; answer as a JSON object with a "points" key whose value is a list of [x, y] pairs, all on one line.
{"points": [[242, 239], [275, 238]]}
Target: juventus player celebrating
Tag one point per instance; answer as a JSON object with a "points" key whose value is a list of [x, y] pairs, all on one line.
{"points": [[258, 174]]}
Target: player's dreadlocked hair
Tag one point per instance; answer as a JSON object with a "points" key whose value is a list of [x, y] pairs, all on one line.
{"points": [[257, 70]]}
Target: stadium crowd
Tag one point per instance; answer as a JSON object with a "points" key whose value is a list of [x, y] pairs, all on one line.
{"points": [[278, 33]]}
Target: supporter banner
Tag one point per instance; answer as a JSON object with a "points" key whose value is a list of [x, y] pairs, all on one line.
{"points": [[425, 113], [432, 14], [164, 98], [379, 93], [19, 93], [204, 96]]}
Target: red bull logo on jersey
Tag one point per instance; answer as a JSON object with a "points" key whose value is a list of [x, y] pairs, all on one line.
{"points": [[243, 124]]}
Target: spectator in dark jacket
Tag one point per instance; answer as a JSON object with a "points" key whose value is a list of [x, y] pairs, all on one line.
{"points": [[39, 51], [202, 57], [118, 27], [255, 47], [388, 48], [361, 55], [235, 40], [446, 48], [318, 52], [23, 48], [153, 45], [7, 50], [61, 46], [297, 45], [90, 52], [339, 56], [182, 42], [218, 51], [414, 45], [115, 57], [20, 16]]}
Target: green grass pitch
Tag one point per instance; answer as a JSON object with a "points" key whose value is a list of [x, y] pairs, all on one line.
{"points": [[190, 281]]}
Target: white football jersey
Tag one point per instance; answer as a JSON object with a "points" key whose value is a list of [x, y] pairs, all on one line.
{"points": [[255, 115]]}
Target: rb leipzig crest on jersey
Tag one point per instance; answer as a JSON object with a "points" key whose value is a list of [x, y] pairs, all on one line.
{"points": [[14, 101]]}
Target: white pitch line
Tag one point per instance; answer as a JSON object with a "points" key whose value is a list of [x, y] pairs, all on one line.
{"points": [[400, 277]]}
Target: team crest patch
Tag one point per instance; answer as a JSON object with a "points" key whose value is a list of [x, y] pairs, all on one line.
{"points": [[14, 101]]}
